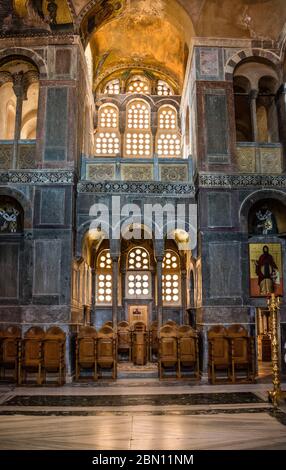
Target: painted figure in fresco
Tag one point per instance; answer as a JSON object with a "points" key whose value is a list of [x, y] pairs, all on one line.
{"points": [[267, 272], [8, 219], [265, 222]]}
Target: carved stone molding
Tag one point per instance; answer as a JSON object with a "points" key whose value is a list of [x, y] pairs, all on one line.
{"points": [[137, 172], [173, 173], [27, 155], [178, 189], [100, 172], [270, 160], [6, 156], [246, 159], [242, 181], [37, 176]]}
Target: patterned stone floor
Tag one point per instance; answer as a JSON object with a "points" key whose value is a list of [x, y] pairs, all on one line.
{"points": [[142, 415]]}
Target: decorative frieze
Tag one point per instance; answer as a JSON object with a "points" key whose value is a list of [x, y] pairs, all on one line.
{"points": [[242, 181], [136, 172], [37, 176], [137, 188]]}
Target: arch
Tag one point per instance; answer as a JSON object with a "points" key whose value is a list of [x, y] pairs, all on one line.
{"points": [[25, 54], [11, 215], [107, 137], [254, 54], [168, 138], [253, 198], [138, 136], [22, 200]]}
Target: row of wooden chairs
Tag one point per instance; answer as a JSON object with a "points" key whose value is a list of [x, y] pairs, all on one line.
{"points": [[96, 351], [37, 352], [178, 349], [231, 350]]}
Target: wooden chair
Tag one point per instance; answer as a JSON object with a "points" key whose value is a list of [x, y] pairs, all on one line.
{"points": [[168, 349], [10, 339], [153, 340], [54, 353], [108, 323], [241, 352], [219, 358], [124, 342], [171, 323], [107, 350], [86, 351], [188, 349], [139, 343], [32, 354]]}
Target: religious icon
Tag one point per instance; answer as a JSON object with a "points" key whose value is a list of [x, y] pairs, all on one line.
{"points": [[265, 269], [265, 223]]}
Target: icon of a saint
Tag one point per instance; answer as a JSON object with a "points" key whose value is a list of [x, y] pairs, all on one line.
{"points": [[267, 272]]}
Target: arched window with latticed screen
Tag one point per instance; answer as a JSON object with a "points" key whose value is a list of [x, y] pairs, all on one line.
{"points": [[138, 136], [112, 87], [138, 282], [168, 139], [107, 137], [163, 89], [171, 290], [104, 278], [139, 84]]}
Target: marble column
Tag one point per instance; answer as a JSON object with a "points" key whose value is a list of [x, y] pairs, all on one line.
{"points": [[159, 292], [114, 291], [93, 296], [253, 112], [184, 296], [20, 92]]}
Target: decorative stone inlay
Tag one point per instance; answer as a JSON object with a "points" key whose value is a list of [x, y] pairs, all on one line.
{"points": [[27, 155], [137, 172], [137, 188], [37, 176], [97, 172], [270, 160], [173, 172], [246, 159], [6, 156], [241, 181]]}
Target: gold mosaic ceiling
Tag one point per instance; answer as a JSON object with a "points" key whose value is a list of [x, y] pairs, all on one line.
{"points": [[157, 33]]}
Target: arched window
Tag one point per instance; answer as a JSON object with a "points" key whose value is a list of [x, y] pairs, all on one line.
{"points": [[7, 111], [171, 291], [107, 138], [112, 87], [138, 137], [30, 112], [138, 283], [168, 140], [138, 84], [163, 89], [104, 278]]}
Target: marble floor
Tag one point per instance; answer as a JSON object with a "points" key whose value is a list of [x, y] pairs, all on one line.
{"points": [[129, 415]]}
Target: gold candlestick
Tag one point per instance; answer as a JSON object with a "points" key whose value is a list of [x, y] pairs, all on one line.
{"points": [[276, 394]]}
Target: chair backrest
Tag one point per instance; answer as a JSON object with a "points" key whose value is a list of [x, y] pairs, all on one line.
{"points": [[108, 323], [9, 344], [105, 346], [86, 345], [33, 340], [123, 335], [168, 344], [171, 323], [187, 338], [239, 338], [54, 347], [218, 345], [139, 326]]}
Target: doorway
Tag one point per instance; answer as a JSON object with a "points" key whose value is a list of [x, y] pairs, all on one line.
{"points": [[263, 329]]}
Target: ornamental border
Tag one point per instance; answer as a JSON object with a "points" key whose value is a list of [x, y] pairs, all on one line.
{"points": [[37, 177], [241, 181], [135, 187]]}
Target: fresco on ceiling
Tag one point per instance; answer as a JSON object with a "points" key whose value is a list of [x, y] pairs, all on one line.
{"points": [[103, 11], [41, 15]]}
